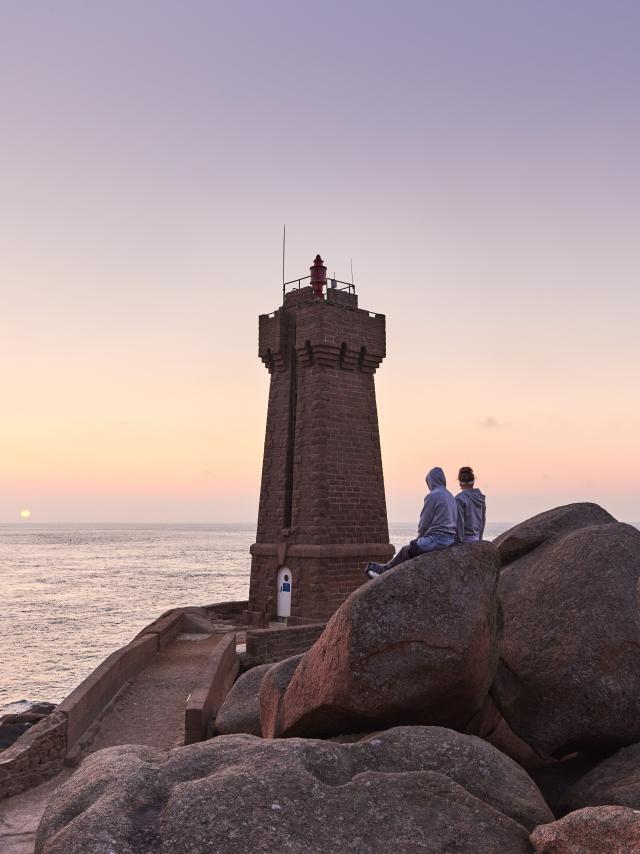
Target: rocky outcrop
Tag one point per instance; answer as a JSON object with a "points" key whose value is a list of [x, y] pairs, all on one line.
{"points": [[408, 789], [14, 724], [406, 654], [35, 757], [616, 780], [418, 645], [240, 711], [272, 693], [547, 527], [596, 830], [568, 676], [196, 621]]}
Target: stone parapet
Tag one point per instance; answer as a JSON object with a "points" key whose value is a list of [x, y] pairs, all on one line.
{"points": [[341, 297], [215, 683], [40, 752], [36, 756], [166, 628], [265, 646], [85, 703], [228, 610]]}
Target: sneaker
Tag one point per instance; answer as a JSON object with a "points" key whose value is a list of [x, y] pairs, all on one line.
{"points": [[370, 572]]}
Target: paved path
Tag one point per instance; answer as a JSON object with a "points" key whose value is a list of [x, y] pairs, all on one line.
{"points": [[149, 711], [20, 815]]}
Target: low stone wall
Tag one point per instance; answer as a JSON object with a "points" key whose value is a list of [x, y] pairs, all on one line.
{"points": [[259, 619], [270, 645], [303, 621], [228, 610], [166, 628], [215, 683], [83, 704], [35, 757], [40, 752]]}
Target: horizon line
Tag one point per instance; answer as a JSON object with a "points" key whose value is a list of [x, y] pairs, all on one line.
{"points": [[27, 522]]}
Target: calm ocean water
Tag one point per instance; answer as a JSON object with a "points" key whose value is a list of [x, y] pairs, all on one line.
{"points": [[71, 594]]}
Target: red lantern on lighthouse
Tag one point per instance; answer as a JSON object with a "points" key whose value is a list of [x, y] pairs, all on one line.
{"points": [[318, 276]]}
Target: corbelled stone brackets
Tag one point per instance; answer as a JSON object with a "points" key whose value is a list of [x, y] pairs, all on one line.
{"points": [[331, 332]]}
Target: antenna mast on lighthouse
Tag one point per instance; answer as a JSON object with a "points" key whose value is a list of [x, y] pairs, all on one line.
{"points": [[284, 241]]}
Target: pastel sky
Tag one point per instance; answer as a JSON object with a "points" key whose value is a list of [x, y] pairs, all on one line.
{"points": [[478, 160]]}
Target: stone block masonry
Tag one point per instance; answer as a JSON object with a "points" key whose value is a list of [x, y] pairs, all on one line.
{"points": [[41, 751], [35, 757], [265, 646], [84, 703], [322, 576], [228, 610], [322, 511], [166, 628]]}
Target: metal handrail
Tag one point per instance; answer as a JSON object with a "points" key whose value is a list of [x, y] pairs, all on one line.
{"points": [[347, 286], [301, 279]]}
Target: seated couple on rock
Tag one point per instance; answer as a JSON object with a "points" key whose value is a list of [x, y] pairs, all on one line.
{"points": [[444, 520]]}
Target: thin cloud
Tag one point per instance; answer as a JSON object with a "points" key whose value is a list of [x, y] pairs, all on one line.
{"points": [[489, 421]]}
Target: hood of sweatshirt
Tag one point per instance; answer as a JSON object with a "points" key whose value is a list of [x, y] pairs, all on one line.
{"points": [[436, 478], [473, 496]]}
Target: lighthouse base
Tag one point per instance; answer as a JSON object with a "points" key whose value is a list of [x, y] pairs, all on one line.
{"points": [[321, 575]]}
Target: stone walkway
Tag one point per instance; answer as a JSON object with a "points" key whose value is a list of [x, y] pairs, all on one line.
{"points": [[20, 815], [150, 710]]}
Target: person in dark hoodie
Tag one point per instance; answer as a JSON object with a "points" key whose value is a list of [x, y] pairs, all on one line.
{"points": [[437, 525], [472, 509]]}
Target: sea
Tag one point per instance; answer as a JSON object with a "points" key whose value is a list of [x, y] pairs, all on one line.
{"points": [[71, 594]]}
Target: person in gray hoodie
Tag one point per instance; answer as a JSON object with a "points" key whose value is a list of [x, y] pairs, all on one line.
{"points": [[437, 525], [472, 508]]}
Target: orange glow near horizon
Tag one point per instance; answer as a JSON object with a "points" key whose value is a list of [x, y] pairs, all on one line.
{"points": [[182, 438]]}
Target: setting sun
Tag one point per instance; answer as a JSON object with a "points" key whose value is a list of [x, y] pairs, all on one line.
{"points": [[24, 514]]}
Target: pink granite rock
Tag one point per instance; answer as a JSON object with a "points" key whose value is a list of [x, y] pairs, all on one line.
{"points": [[594, 830], [240, 711], [413, 789], [615, 780], [547, 527], [273, 687], [418, 645], [568, 676]]}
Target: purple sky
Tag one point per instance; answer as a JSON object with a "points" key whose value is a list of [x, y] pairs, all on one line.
{"points": [[477, 160]]}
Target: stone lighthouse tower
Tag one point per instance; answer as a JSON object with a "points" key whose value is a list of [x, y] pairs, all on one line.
{"points": [[322, 511]]}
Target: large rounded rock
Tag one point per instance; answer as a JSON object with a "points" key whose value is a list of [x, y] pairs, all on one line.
{"points": [[568, 676], [614, 781], [418, 645], [547, 527], [598, 830], [408, 789], [273, 689], [240, 711]]}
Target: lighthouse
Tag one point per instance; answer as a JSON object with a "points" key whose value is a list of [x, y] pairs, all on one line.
{"points": [[322, 513]]}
